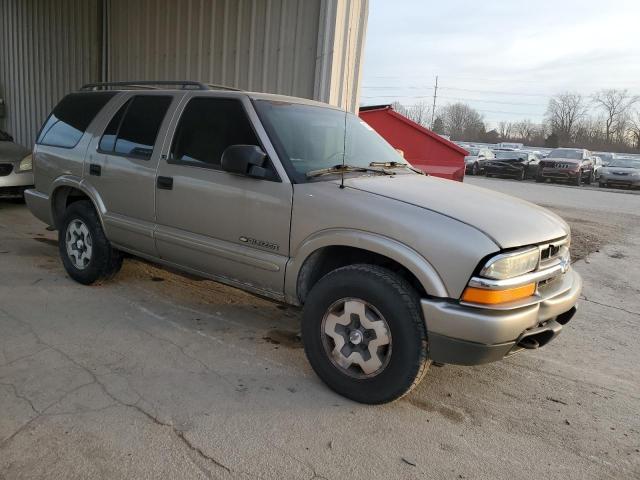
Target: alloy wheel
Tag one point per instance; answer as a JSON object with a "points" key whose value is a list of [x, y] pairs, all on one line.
{"points": [[79, 244], [356, 338]]}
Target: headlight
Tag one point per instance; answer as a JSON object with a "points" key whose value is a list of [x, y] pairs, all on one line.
{"points": [[26, 164], [509, 265]]}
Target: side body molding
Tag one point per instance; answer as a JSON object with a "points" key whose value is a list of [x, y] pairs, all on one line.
{"points": [[409, 258]]}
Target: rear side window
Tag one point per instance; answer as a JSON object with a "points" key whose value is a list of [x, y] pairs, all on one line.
{"points": [[71, 117], [207, 127], [133, 130]]}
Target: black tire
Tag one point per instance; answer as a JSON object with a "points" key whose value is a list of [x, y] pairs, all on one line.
{"points": [[578, 180], [398, 304], [602, 184], [475, 170], [522, 176], [104, 261], [539, 179]]}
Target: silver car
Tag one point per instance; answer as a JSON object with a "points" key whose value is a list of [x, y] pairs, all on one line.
{"points": [[621, 172], [16, 173], [306, 204]]}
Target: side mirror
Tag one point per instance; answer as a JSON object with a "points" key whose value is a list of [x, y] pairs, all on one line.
{"points": [[246, 160]]}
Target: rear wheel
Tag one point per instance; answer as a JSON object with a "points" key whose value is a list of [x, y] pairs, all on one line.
{"points": [[539, 179], [86, 253], [364, 335], [475, 170]]}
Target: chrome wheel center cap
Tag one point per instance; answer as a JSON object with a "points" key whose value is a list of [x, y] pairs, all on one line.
{"points": [[355, 337], [80, 244]]}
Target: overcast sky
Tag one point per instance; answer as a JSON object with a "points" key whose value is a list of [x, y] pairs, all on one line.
{"points": [[504, 58]]}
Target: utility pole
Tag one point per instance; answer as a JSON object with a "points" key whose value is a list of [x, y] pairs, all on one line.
{"points": [[433, 111]]}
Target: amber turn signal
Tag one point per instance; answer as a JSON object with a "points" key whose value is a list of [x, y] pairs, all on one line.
{"points": [[494, 297]]}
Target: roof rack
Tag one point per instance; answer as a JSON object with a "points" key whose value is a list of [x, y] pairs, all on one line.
{"points": [[156, 84]]}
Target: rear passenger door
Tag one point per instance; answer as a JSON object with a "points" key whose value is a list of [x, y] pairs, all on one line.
{"points": [[122, 167], [230, 226]]}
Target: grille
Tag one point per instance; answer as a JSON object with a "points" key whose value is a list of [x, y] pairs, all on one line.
{"points": [[5, 169], [552, 252]]}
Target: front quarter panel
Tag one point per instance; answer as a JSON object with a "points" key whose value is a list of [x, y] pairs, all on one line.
{"points": [[440, 251]]}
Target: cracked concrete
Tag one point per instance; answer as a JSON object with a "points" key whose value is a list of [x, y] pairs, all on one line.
{"points": [[142, 378]]}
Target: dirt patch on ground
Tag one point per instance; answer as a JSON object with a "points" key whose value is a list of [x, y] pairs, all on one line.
{"points": [[589, 236]]}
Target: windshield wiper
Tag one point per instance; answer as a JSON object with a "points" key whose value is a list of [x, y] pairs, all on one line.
{"points": [[346, 169], [396, 165]]}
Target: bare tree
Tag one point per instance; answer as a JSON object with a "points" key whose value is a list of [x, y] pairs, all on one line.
{"points": [[563, 112], [461, 122], [419, 112], [616, 105], [634, 128], [525, 129], [505, 129]]}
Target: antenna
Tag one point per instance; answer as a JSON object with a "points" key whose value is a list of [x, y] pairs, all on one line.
{"points": [[346, 88], [433, 111]]}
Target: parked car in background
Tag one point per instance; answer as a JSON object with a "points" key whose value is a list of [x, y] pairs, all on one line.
{"points": [[16, 172], [573, 165], [606, 157], [621, 172], [474, 163], [394, 269], [597, 167], [517, 164]]}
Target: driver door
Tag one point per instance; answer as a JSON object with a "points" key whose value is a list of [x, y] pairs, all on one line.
{"points": [[225, 225]]}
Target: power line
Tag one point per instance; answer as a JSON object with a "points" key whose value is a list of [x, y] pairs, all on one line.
{"points": [[463, 99]]}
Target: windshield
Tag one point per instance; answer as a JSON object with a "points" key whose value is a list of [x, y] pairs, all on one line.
{"points": [[625, 163], [310, 138], [570, 154], [510, 155]]}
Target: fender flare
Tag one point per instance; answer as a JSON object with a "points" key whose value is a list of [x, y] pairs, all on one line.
{"points": [[388, 247], [77, 183]]}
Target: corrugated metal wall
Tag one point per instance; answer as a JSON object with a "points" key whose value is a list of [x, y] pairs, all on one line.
{"points": [[47, 48], [305, 48], [264, 45]]}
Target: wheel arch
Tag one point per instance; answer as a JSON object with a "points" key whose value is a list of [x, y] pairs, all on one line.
{"points": [[66, 190], [335, 248]]}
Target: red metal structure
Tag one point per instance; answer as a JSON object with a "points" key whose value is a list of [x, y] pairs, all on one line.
{"points": [[422, 148]]}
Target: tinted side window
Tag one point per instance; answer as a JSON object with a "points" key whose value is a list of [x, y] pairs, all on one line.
{"points": [[138, 130], [71, 117], [207, 127], [108, 140]]}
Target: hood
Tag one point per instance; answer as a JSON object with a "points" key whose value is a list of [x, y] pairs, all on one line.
{"points": [[12, 152], [508, 221]]}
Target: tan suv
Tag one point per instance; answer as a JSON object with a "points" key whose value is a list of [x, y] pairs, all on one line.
{"points": [[303, 203]]}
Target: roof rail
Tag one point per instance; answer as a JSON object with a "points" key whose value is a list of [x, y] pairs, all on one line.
{"points": [[215, 86], [152, 84]]}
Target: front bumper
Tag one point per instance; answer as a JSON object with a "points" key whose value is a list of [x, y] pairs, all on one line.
{"points": [[468, 335], [620, 180], [558, 173], [15, 183]]}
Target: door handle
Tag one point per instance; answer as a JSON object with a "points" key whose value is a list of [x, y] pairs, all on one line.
{"points": [[95, 170], [165, 183]]}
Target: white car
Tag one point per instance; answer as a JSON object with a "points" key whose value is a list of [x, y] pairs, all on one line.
{"points": [[16, 172]]}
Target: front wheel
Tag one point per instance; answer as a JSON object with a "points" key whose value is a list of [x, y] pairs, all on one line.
{"points": [[522, 175], [602, 184], [364, 335], [578, 180], [86, 253], [475, 170], [590, 178]]}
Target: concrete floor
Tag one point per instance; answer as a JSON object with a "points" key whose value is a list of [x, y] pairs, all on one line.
{"points": [[158, 375]]}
